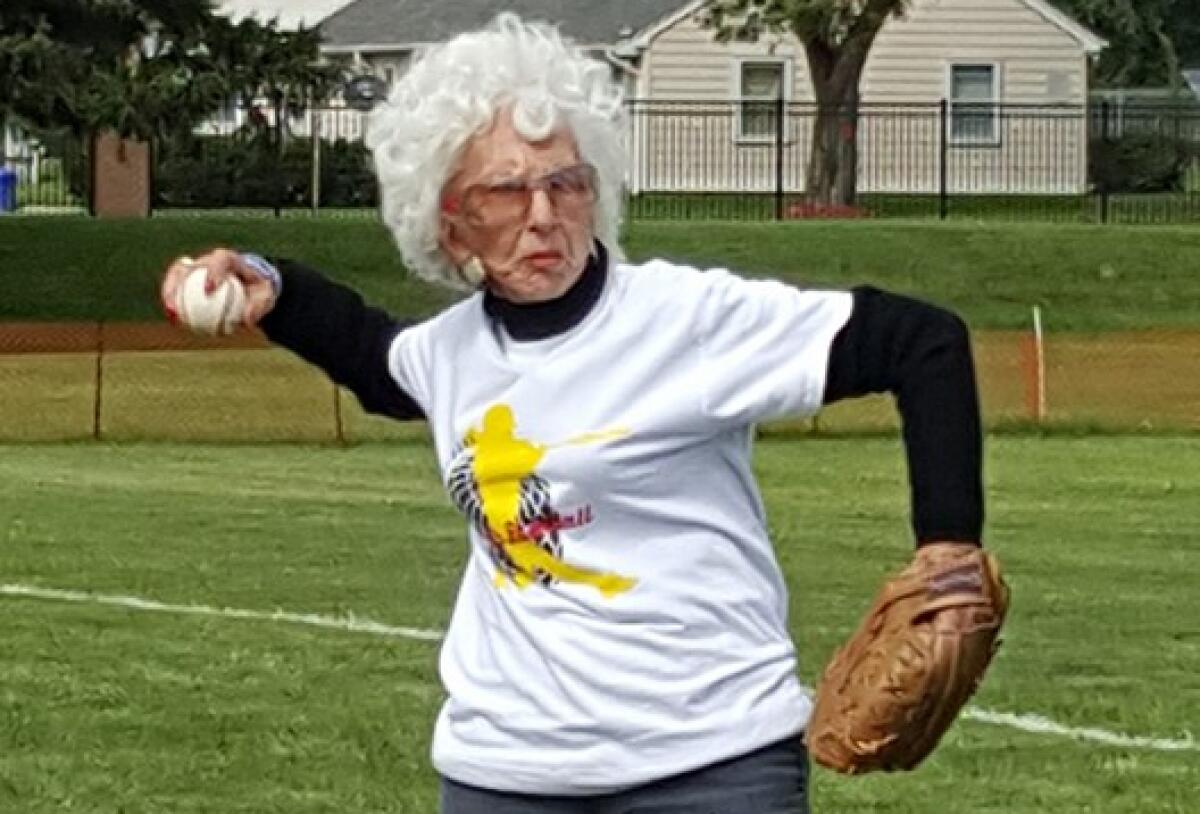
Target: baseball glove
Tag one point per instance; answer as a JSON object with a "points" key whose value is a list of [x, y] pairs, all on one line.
{"points": [[894, 688]]}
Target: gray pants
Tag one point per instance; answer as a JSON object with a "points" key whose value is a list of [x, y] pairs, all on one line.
{"points": [[771, 780]]}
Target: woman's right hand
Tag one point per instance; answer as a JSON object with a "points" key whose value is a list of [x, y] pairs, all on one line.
{"points": [[220, 265]]}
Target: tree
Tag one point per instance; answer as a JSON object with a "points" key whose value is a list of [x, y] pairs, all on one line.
{"points": [[146, 68], [130, 65], [1149, 40], [837, 36], [260, 60], [1184, 25]]}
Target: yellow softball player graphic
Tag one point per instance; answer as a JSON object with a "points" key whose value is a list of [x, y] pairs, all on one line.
{"points": [[494, 480]]}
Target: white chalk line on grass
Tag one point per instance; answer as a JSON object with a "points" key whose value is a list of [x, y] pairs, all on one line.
{"points": [[1040, 725], [347, 623], [1034, 724]]}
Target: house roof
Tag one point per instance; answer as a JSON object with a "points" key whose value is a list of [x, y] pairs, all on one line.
{"points": [[373, 25], [291, 13], [1092, 43]]}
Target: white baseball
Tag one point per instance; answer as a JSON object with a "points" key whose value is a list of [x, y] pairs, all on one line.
{"points": [[218, 313]]}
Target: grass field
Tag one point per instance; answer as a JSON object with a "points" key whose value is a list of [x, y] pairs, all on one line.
{"points": [[1086, 278], [107, 709]]}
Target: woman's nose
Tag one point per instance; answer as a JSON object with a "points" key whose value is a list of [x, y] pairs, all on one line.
{"points": [[541, 209]]}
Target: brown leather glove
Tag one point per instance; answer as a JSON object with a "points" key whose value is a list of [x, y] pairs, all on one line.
{"points": [[894, 688]]}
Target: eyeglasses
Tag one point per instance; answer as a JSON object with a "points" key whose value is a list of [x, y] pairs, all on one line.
{"points": [[505, 203]]}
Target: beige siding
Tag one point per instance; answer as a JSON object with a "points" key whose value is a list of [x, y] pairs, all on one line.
{"points": [[909, 62], [1037, 63], [685, 63], [911, 56]]}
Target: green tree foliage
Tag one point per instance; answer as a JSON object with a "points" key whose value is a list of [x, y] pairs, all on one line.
{"points": [[260, 61], [125, 64], [147, 68], [1149, 40]]}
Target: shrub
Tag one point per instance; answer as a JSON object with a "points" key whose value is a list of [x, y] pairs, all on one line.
{"points": [[248, 169], [1141, 162]]}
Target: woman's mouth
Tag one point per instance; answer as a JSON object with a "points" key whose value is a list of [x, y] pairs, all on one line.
{"points": [[543, 260]]}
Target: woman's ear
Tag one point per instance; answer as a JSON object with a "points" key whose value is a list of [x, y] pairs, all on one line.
{"points": [[452, 244]]}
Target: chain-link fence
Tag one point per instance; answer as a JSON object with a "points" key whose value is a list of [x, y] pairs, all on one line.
{"points": [[127, 381]]}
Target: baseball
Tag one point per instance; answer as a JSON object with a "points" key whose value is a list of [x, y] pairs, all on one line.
{"points": [[218, 313]]}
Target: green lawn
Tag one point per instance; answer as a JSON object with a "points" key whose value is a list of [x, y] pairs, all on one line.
{"points": [[1087, 278], [1119, 208], [107, 709]]}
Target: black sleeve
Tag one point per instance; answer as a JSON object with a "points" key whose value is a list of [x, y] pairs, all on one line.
{"points": [[922, 355], [330, 326]]}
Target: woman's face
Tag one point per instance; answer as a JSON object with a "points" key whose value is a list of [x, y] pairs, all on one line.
{"points": [[523, 209]]}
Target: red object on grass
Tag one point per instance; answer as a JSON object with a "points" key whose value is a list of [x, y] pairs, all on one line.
{"points": [[816, 211]]}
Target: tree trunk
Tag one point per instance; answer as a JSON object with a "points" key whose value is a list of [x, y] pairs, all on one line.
{"points": [[832, 178], [836, 70]]}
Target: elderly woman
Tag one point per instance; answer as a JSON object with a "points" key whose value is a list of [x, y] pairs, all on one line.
{"points": [[619, 642]]}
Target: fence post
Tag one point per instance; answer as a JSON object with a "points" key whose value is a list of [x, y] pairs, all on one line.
{"points": [[1104, 147], [151, 174], [944, 159], [780, 130], [1034, 363], [98, 396], [339, 427], [278, 152], [314, 133], [90, 145]]}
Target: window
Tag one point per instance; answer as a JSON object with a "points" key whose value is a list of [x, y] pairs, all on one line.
{"points": [[974, 114], [760, 86]]}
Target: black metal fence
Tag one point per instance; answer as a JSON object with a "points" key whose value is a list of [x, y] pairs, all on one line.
{"points": [[746, 160], [247, 157], [751, 160]]}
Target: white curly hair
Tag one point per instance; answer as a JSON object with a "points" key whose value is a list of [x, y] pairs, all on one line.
{"points": [[455, 90]]}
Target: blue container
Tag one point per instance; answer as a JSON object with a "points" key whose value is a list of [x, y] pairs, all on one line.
{"points": [[8, 190]]}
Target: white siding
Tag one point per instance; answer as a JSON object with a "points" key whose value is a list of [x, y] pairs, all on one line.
{"points": [[396, 63]]}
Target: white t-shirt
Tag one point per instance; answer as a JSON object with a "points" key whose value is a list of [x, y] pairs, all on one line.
{"points": [[622, 617]]}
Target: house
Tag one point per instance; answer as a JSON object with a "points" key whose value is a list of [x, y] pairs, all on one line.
{"points": [[288, 15], [18, 151], [1013, 74], [383, 35]]}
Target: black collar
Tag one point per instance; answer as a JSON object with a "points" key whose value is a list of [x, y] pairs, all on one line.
{"points": [[527, 321]]}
